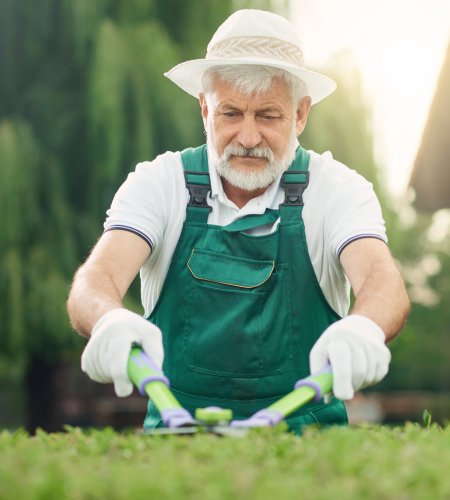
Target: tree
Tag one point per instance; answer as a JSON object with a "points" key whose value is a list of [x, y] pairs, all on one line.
{"points": [[84, 100]]}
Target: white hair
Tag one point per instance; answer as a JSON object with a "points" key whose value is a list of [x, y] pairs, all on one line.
{"points": [[252, 78]]}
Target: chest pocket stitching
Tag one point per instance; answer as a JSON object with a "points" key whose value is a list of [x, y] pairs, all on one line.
{"points": [[236, 283]]}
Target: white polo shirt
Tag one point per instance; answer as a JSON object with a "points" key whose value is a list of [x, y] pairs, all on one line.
{"points": [[340, 206]]}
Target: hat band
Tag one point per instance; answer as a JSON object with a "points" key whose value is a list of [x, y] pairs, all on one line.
{"points": [[257, 46]]}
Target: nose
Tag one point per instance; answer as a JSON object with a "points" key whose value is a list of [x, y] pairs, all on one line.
{"points": [[249, 135]]}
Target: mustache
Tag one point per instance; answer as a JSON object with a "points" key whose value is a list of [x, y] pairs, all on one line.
{"points": [[239, 150]]}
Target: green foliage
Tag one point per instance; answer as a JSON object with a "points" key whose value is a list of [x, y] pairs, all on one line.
{"points": [[84, 100], [31, 293], [427, 418], [354, 463], [19, 159]]}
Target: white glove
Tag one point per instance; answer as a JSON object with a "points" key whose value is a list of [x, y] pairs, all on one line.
{"points": [[105, 356], [355, 348]]}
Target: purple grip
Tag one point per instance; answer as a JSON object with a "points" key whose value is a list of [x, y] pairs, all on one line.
{"points": [[262, 418], [176, 417], [144, 360], [309, 382], [155, 378]]}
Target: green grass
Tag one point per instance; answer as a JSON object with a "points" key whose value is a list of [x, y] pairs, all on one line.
{"points": [[360, 462]]}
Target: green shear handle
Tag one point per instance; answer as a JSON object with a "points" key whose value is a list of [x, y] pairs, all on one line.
{"points": [[311, 388], [147, 377]]}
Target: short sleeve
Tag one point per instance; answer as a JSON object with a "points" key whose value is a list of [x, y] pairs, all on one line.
{"points": [[142, 204], [354, 212], [340, 207]]}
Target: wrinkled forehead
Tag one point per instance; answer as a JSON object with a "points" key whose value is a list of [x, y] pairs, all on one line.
{"points": [[278, 94]]}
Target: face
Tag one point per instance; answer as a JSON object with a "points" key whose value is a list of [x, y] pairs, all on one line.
{"points": [[252, 139]]}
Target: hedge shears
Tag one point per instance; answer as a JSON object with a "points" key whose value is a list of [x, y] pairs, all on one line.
{"points": [[151, 382]]}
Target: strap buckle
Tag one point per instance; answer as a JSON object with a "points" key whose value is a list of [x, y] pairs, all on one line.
{"points": [[294, 187], [198, 191]]}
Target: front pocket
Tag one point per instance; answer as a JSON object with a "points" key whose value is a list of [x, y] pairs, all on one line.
{"points": [[238, 321], [228, 269]]}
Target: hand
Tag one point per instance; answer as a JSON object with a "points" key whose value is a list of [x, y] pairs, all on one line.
{"points": [[355, 348], [105, 357]]}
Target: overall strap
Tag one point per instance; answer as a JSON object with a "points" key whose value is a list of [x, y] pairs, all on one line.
{"points": [[294, 181], [196, 175], [195, 163]]}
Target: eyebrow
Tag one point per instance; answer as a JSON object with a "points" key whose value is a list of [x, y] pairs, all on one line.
{"points": [[266, 109], [270, 109], [228, 106]]}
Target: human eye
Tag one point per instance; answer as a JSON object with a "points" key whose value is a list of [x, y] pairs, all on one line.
{"points": [[268, 117], [230, 112]]}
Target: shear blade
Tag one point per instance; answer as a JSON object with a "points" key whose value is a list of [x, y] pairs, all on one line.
{"points": [[219, 430]]}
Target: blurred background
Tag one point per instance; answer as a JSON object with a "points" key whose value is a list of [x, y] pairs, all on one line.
{"points": [[83, 99]]}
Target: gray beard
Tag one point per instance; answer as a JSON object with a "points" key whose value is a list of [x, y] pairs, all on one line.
{"points": [[250, 181]]}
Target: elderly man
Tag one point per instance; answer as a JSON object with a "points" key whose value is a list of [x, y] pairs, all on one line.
{"points": [[246, 246]]}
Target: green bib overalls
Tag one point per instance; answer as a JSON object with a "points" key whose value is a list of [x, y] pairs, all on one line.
{"points": [[240, 313]]}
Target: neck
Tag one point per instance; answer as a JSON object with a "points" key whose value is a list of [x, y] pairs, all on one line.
{"points": [[240, 197]]}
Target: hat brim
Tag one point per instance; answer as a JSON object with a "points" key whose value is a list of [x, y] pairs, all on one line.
{"points": [[187, 75]]}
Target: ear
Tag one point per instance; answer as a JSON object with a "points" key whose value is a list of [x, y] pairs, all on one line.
{"points": [[302, 114], [204, 107]]}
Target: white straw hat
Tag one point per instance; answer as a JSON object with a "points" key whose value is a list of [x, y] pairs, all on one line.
{"points": [[253, 37]]}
